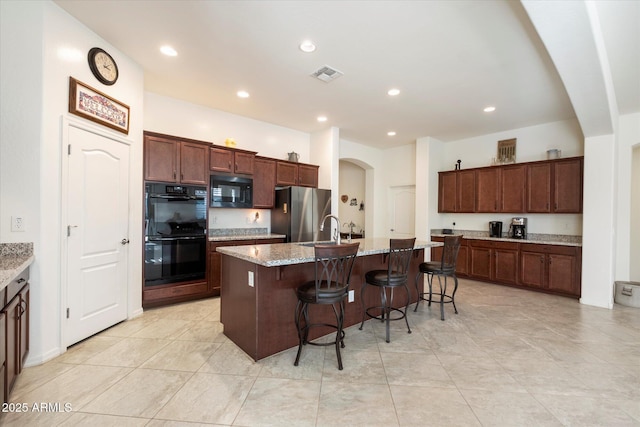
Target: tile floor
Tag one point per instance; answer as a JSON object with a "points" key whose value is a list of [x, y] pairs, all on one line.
{"points": [[510, 358]]}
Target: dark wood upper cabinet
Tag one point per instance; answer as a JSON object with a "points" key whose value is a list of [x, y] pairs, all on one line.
{"points": [[466, 191], [549, 186], [264, 183], [488, 190], [169, 159], [286, 173], [513, 188], [567, 186], [231, 161], [308, 175], [539, 187]]}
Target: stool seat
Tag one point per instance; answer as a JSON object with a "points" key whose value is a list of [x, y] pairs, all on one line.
{"points": [[400, 251], [446, 267], [333, 266]]}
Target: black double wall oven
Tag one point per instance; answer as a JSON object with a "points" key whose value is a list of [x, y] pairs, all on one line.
{"points": [[175, 233]]}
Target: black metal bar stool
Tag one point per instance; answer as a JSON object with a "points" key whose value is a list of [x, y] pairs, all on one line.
{"points": [[446, 267], [394, 276], [333, 265]]}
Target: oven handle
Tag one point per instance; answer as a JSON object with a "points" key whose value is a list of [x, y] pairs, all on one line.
{"points": [[164, 196], [164, 239]]}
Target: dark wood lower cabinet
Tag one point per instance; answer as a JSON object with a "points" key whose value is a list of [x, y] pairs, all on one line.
{"points": [[14, 324], [549, 268]]}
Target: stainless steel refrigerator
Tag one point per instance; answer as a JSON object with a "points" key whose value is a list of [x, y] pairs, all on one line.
{"points": [[298, 212]]}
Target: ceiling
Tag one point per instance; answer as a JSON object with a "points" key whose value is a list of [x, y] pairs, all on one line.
{"points": [[450, 59]]}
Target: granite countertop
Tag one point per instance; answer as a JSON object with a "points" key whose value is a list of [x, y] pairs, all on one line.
{"points": [[536, 238], [272, 255], [14, 258], [226, 234]]}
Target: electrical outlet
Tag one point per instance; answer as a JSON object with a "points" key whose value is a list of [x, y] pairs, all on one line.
{"points": [[17, 223], [250, 278], [351, 295]]}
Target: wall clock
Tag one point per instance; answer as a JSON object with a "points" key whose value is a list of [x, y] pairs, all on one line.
{"points": [[103, 66]]}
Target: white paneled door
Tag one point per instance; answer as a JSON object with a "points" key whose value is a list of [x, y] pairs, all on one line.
{"points": [[402, 212], [97, 233]]}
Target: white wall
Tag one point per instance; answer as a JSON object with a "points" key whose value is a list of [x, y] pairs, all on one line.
{"points": [[634, 232], [532, 144], [40, 37], [352, 184]]}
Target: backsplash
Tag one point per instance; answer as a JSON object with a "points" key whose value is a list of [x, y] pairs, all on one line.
{"points": [[217, 232], [535, 237]]}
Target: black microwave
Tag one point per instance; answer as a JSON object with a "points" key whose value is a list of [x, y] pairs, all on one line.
{"points": [[231, 191]]}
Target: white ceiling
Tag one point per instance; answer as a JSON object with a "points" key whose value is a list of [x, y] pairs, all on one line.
{"points": [[450, 59]]}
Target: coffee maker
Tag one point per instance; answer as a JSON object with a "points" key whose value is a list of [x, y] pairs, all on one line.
{"points": [[495, 228], [518, 228]]}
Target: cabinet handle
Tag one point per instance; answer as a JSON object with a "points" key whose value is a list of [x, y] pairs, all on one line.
{"points": [[181, 176], [542, 259], [174, 174], [236, 166], [229, 164], [21, 280], [556, 206]]}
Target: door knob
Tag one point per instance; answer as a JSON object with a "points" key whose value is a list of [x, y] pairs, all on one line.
{"points": [[124, 241]]}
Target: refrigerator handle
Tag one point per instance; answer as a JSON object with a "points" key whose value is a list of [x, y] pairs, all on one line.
{"points": [[284, 208]]}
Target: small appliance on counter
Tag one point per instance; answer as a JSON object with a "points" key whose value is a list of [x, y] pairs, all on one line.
{"points": [[518, 228], [495, 228]]}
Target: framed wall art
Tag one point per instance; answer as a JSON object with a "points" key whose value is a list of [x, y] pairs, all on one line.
{"points": [[87, 102]]}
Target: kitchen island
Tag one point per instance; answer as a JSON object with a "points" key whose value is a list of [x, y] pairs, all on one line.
{"points": [[258, 291]]}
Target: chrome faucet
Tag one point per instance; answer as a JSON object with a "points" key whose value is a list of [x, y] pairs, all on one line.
{"points": [[336, 235]]}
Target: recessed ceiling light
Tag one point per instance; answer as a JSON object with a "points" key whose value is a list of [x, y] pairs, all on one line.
{"points": [[242, 94], [168, 50], [391, 133], [489, 109], [393, 92], [322, 118], [307, 46]]}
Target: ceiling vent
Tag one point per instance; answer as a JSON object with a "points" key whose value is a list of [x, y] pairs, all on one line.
{"points": [[326, 74]]}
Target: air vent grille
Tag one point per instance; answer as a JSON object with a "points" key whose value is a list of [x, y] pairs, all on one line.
{"points": [[327, 74]]}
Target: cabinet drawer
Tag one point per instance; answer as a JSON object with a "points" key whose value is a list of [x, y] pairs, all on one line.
{"points": [[15, 286], [489, 244], [548, 249]]}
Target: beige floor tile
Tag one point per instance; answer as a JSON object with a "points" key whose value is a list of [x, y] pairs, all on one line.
{"points": [[130, 352], [35, 419], [164, 329], [281, 365], [36, 376], [168, 423], [142, 393], [84, 350], [130, 327], [415, 369], [208, 398], [586, 411], [432, 406], [296, 400], [81, 419], [358, 366], [182, 356], [355, 404], [230, 359], [494, 408], [77, 386], [205, 331], [480, 374]]}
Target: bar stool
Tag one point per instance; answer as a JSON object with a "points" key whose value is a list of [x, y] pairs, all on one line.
{"points": [[394, 276], [333, 266], [446, 267]]}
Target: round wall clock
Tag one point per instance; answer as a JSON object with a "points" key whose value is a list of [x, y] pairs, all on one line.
{"points": [[103, 66]]}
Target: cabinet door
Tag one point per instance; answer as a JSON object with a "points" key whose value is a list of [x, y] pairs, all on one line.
{"points": [[506, 265], [461, 263], [436, 252], [513, 189], [244, 162], [264, 183], [215, 262], [161, 159], [193, 163], [487, 189], [466, 191], [532, 269], [286, 173], [567, 186], [539, 187], [480, 262], [562, 274], [23, 313], [221, 160], [308, 175], [447, 192], [13, 344]]}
